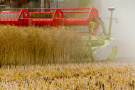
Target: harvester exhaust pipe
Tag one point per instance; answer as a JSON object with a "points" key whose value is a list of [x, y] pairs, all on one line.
{"points": [[110, 9]]}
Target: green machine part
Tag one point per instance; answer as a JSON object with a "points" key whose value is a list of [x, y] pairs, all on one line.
{"points": [[100, 42], [113, 53], [91, 58]]}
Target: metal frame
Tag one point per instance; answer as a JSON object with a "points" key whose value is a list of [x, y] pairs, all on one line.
{"points": [[55, 21]]}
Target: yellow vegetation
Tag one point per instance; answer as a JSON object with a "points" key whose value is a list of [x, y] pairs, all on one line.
{"points": [[39, 45], [92, 76]]}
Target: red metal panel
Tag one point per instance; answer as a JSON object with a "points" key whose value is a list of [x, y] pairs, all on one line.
{"points": [[62, 16], [56, 22]]}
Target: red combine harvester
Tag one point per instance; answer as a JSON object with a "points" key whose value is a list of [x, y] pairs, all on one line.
{"points": [[88, 17]]}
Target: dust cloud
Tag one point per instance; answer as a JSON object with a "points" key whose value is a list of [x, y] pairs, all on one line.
{"points": [[123, 25]]}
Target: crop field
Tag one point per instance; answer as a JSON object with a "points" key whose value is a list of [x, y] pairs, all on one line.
{"points": [[39, 45], [49, 58], [86, 76]]}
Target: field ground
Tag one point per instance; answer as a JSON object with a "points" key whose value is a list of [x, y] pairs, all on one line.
{"points": [[86, 76]]}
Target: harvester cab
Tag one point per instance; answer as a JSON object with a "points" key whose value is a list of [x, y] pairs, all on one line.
{"points": [[97, 46]]}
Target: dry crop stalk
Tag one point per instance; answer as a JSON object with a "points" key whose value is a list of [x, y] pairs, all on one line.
{"points": [[53, 76], [38, 45]]}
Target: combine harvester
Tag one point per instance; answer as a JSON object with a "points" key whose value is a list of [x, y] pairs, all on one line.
{"points": [[98, 44]]}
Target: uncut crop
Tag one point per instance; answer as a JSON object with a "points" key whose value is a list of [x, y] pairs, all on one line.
{"points": [[39, 45], [91, 76]]}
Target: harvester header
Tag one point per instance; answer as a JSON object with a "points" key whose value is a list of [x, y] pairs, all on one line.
{"points": [[53, 17], [50, 17], [87, 17]]}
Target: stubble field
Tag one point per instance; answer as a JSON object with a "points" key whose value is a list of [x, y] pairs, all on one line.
{"points": [[87, 76]]}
